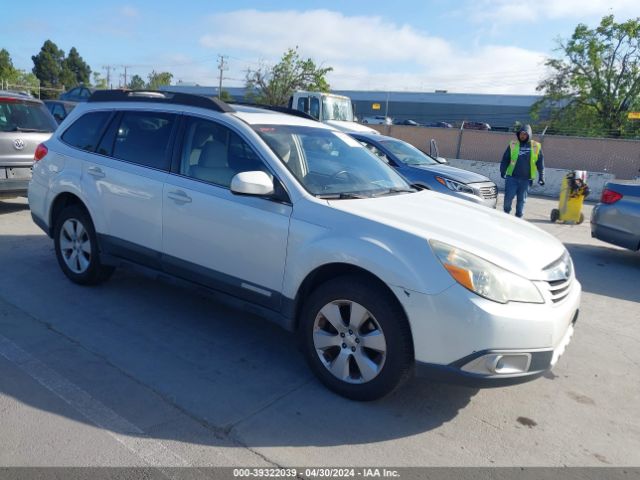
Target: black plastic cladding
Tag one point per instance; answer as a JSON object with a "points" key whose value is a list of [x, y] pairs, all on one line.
{"points": [[173, 98]]}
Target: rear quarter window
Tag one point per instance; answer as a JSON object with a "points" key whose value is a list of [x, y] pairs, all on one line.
{"points": [[85, 132]]}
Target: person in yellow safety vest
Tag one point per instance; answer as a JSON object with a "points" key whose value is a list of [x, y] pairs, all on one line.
{"points": [[522, 162]]}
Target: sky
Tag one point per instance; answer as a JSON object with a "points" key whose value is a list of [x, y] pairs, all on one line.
{"points": [[469, 46]]}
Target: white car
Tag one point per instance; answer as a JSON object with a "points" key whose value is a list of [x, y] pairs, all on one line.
{"points": [[377, 120], [301, 222]]}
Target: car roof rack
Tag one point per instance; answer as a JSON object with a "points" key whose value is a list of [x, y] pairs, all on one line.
{"points": [[155, 96], [275, 108]]}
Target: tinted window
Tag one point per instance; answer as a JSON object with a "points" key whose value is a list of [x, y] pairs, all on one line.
{"points": [[143, 138], [314, 109], [17, 115], [84, 93], [215, 154], [85, 131], [58, 112]]}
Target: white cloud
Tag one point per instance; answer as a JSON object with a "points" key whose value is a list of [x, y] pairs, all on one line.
{"points": [[508, 12], [128, 11], [369, 53]]}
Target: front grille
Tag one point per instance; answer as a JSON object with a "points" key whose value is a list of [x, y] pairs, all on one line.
{"points": [[560, 278], [488, 192], [559, 289]]}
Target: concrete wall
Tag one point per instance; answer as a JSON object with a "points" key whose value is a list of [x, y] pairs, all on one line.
{"points": [[553, 177], [620, 158]]}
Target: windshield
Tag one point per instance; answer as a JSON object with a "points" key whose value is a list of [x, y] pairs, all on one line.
{"points": [[336, 108], [331, 164], [17, 115], [407, 153]]}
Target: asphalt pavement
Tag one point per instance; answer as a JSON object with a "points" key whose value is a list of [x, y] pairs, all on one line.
{"points": [[142, 371]]}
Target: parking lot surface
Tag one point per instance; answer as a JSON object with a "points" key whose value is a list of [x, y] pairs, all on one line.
{"points": [[142, 371]]}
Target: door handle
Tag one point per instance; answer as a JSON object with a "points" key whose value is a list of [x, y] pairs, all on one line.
{"points": [[179, 196], [96, 172]]}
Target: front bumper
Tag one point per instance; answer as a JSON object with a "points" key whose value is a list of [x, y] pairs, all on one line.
{"points": [[463, 338], [468, 371]]}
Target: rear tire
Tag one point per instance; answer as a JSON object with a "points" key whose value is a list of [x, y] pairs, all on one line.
{"points": [[76, 247], [356, 338], [555, 215]]}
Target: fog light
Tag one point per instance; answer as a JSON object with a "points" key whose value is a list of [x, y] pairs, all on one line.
{"points": [[500, 364]]}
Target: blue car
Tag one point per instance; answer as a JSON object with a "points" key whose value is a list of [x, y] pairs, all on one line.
{"points": [[421, 169]]}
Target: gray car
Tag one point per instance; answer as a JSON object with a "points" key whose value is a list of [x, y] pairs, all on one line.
{"points": [[25, 122], [427, 172], [616, 219]]}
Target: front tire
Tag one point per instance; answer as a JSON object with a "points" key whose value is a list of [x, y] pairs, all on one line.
{"points": [[76, 247], [356, 338]]}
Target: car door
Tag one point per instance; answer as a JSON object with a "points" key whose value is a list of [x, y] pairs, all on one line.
{"points": [[233, 243], [123, 182]]}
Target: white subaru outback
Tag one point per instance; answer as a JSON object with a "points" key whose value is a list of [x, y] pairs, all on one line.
{"points": [[298, 220]]}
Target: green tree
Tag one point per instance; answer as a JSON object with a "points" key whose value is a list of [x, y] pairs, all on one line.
{"points": [[7, 70], [595, 82], [225, 96], [158, 79], [136, 83], [47, 67], [76, 68], [99, 81], [274, 86]]}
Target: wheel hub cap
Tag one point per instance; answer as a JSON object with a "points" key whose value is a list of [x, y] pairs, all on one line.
{"points": [[349, 341]]}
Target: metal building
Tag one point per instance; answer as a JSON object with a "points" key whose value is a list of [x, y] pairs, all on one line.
{"points": [[499, 111]]}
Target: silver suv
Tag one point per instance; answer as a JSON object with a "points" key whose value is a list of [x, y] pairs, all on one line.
{"points": [[25, 122]]}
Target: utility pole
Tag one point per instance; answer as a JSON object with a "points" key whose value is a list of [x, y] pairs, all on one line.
{"points": [[125, 73], [108, 69], [222, 66]]}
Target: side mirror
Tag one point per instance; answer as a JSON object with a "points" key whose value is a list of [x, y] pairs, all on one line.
{"points": [[442, 160], [256, 183]]}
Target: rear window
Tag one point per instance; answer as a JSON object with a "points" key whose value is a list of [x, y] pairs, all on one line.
{"points": [[17, 115], [85, 132]]}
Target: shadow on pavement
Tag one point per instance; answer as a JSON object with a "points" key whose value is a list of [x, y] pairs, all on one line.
{"points": [[143, 347], [608, 271], [7, 207]]}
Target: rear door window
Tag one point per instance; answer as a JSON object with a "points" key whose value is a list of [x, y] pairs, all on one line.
{"points": [[144, 138], [85, 132]]}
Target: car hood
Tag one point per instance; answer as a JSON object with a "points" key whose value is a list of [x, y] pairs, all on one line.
{"points": [[350, 126], [504, 240], [458, 174]]}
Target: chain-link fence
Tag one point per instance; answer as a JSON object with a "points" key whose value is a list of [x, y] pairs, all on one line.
{"points": [[618, 157], [34, 90]]}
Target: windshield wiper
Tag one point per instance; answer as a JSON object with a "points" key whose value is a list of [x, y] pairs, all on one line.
{"points": [[341, 196], [391, 191], [20, 129]]}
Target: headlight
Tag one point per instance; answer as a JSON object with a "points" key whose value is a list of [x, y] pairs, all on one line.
{"points": [[484, 278], [455, 186]]}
